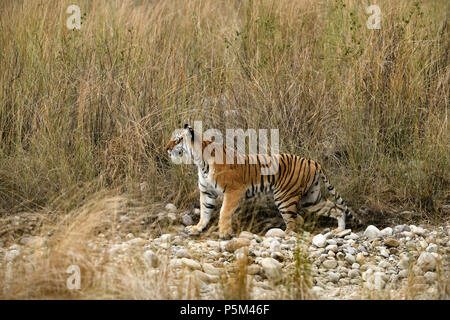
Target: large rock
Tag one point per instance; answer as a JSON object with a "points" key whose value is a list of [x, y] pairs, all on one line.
{"points": [[333, 277], [426, 261], [386, 232], [236, 243], [372, 232], [272, 268], [167, 237], [152, 258], [391, 242], [374, 280], [253, 269], [417, 230], [403, 264], [191, 264], [275, 233], [207, 278], [210, 269], [171, 207], [246, 235], [319, 241], [330, 264], [275, 246], [186, 219], [11, 255]]}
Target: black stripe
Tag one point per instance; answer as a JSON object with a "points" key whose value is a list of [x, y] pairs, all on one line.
{"points": [[208, 206], [288, 205], [293, 172], [209, 194], [285, 175]]}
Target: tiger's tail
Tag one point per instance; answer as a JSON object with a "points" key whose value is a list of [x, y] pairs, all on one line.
{"points": [[348, 212]]}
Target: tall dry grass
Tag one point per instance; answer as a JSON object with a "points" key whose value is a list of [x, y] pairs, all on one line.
{"points": [[87, 111], [90, 109]]}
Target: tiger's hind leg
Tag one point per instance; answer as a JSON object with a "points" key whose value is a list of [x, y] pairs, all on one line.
{"points": [[328, 208], [312, 203], [288, 209]]}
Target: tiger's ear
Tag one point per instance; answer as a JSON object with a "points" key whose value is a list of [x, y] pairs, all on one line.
{"points": [[186, 126]]}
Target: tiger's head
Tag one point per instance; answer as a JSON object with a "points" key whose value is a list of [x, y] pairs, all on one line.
{"points": [[181, 144]]}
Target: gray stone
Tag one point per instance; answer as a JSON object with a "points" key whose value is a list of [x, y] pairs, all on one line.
{"points": [[207, 278], [318, 291], [354, 274], [374, 280], [330, 264], [172, 217], [403, 263], [136, 241], [275, 233], [272, 268], [275, 246], [344, 233], [332, 247], [210, 269], [167, 237], [182, 253], [401, 228], [191, 264], [236, 243], [331, 241], [417, 230], [430, 277], [187, 220], [384, 264], [319, 241], [152, 258], [351, 236], [372, 232], [277, 256], [253, 269], [403, 273], [386, 232], [432, 248], [360, 258], [246, 235], [384, 252], [11, 255], [333, 277], [426, 261], [171, 207], [350, 258]]}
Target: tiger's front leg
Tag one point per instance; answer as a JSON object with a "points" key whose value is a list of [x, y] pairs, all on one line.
{"points": [[207, 206], [230, 203]]}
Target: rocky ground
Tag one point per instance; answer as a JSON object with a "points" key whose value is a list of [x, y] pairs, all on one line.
{"points": [[398, 262]]}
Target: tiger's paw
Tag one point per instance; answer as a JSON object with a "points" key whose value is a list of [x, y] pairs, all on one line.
{"points": [[192, 230], [337, 230], [227, 236]]}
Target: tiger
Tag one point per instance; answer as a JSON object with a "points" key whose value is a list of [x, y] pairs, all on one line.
{"points": [[295, 186]]}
